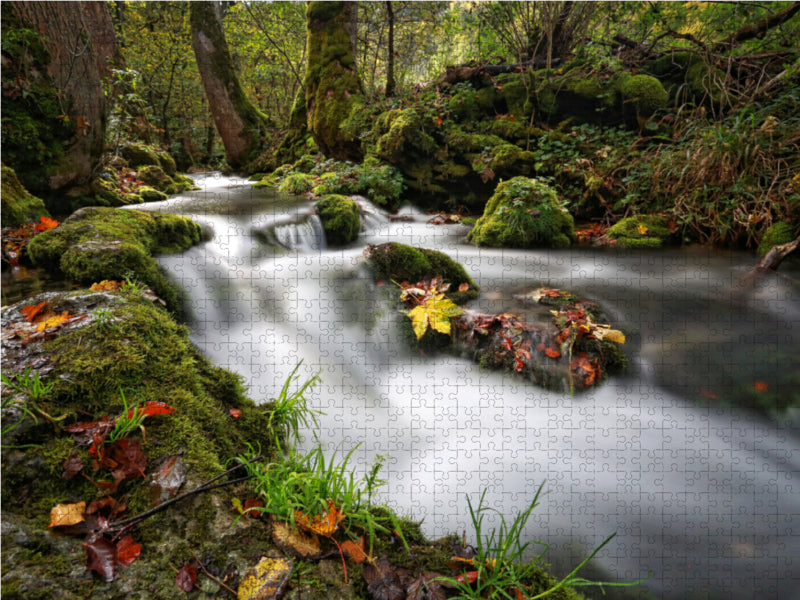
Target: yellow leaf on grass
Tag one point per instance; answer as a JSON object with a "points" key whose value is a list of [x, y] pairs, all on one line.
{"points": [[266, 581], [434, 313], [67, 514]]}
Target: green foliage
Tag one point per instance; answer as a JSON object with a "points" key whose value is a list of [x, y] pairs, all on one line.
{"points": [[129, 421], [341, 219], [18, 205], [296, 183], [288, 412], [640, 231], [26, 391]]}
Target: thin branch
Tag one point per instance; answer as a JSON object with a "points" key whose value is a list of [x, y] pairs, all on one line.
{"points": [[203, 567]]}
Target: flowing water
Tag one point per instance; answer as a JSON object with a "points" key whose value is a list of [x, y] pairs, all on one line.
{"points": [[703, 494]]}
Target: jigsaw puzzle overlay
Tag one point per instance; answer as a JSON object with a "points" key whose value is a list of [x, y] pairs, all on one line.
{"points": [[702, 493]]}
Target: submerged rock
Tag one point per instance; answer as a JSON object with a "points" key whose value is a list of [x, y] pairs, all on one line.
{"points": [[341, 219]]}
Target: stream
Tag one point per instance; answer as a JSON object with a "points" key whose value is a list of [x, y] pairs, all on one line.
{"points": [[703, 494]]}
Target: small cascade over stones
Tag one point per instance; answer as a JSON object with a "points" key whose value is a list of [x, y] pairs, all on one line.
{"points": [[305, 236]]}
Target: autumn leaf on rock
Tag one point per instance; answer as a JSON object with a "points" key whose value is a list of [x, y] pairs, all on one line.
{"points": [[324, 524], [434, 313], [52, 320], [355, 550], [296, 543], [67, 514], [186, 577], [128, 550], [45, 224], [266, 581], [101, 557], [151, 408], [106, 286], [32, 311]]}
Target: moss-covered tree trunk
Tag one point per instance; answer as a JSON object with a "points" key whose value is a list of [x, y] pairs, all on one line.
{"points": [[333, 87], [238, 122], [55, 58]]}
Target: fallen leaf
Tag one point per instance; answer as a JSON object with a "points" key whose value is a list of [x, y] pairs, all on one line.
{"points": [[101, 556], [151, 408], [130, 459], [186, 577], [252, 503], [552, 352], [67, 514], [324, 524], [266, 581], [354, 550], [32, 311], [54, 320], [760, 386], [72, 466], [296, 543], [463, 287], [167, 480], [468, 577], [128, 550], [425, 587], [106, 286], [235, 413], [384, 580], [434, 313]]}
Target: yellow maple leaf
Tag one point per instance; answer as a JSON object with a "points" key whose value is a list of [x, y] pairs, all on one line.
{"points": [[434, 313], [604, 332], [52, 320], [324, 524], [642, 229], [67, 514]]}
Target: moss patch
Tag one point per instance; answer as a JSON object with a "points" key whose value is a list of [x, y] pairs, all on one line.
{"points": [[94, 244], [341, 219], [524, 213], [645, 93], [18, 205], [640, 231], [399, 262], [777, 233]]}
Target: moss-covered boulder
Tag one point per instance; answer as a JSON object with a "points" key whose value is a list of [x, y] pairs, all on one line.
{"points": [[149, 194], [125, 350], [155, 176], [506, 160], [707, 82], [18, 205], [641, 231], [524, 213], [398, 262], [297, 183], [341, 219], [406, 141], [645, 93], [777, 233], [98, 243], [140, 155]]}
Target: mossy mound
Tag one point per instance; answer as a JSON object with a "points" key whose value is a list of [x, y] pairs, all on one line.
{"points": [[98, 243], [524, 213], [18, 205], [645, 93], [777, 233], [707, 82], [341, 219], [134, 349], [398, 262], [640, 231], [296, 184], [140, 155]]}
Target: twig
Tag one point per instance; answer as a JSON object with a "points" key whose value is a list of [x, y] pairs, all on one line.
{"points": [[204, 487], [203, 567]]}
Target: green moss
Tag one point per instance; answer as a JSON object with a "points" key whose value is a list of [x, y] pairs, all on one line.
{"points": [[707, 81], [506, 160], [406, 139], [523, 213], [18, 205], [514, 91], [777, 233], [297, 183], [673, 65], [472, 142], [149, 194], [640, 231], [645, 93], [140, 155], [95, 244], [341, 219], [398, 262], [154, 176]]}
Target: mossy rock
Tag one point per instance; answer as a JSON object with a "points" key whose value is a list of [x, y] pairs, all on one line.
{"points": [[524, 213], [149, 194], [98, 243], [398, 262], [166, 162], [296, 184], [341, 219], [707, 81], [672, 66], [140, 155], [641, 231], [506, 160], [18, 205], [406, 139], [155, 176], [777, 233], [645, 93]]}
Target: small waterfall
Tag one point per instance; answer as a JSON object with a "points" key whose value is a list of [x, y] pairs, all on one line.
{"points": [[305, 236]]}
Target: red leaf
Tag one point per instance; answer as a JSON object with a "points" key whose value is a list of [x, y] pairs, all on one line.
{"points": [[253, 503], [186, 578], [101, 557], [32, 311], [468, 577], [552, 352], [128, 550], [463, 287], [150, 408], [130, 458], [506, 343], [760, 386], [45, 223], [235, 413], [518, 364], [102, 503]]}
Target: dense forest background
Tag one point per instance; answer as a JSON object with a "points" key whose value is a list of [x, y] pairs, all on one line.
{"points": [[686, 109]]}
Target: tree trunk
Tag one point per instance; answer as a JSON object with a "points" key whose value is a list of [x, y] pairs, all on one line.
{"points": [[81, 47], [238, 122], [390, 85], [333, 88]]}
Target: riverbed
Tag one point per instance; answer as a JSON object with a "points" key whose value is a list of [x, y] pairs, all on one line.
{"points": [[699, 484]]}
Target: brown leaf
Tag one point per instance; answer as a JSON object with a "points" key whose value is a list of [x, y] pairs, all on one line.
{"points": [[72, 466], [101, 556], [130, 458], [487, 175], [425, 588], [167, 480], [67, 514], [101, 504], [295, 543], [355, 551], [267, 580], [384, 580], [186, 577]]}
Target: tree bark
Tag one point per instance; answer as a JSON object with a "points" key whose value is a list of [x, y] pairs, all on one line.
{"points": [[390, 85], [80, 40], [239, 123], [333, 88]]}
